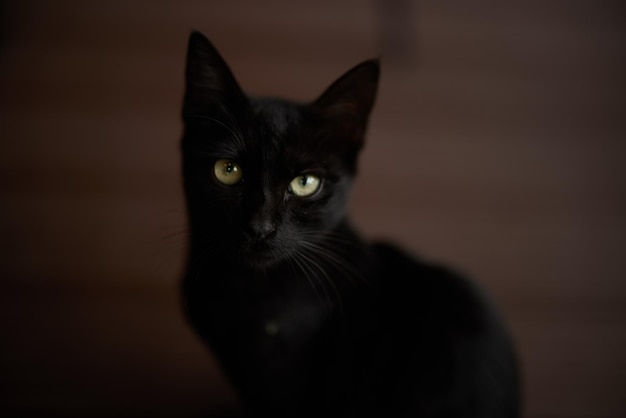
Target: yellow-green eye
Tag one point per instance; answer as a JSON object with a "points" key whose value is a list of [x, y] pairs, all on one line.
{"points": [[304, 185], [227, 172]]}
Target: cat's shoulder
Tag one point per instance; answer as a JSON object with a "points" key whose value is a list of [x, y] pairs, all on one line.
{"points": [[402, 267], [448, 325], [435, 290]]}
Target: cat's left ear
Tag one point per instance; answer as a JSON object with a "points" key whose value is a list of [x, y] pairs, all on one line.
{"points": [[349, 100], [209, 83]]}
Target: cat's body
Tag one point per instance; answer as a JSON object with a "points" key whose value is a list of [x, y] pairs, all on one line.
{"points": [[306, 319]]}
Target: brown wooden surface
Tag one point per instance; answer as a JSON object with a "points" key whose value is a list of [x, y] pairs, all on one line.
{"points": [[497, 145]]}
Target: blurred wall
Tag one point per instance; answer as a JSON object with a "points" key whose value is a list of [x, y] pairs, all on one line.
{"points": [[497, 145]]}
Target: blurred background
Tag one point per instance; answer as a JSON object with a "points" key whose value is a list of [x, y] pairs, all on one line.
{"points": [[497, 146]]}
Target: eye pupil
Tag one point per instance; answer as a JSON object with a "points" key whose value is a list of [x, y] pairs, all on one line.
{"points": [[304, 180]]}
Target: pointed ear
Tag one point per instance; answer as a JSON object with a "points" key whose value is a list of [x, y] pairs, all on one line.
{"points": [[209, 83], [349, 100]]}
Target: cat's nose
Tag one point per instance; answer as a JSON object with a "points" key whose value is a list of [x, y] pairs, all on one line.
{"points": [[261, 229]]}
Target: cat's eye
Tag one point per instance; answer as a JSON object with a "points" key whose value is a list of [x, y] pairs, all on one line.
{"points": [[304, 185], [227, 172]]}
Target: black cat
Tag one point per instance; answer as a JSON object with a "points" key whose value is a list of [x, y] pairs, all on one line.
{"points": [[307, 319]]}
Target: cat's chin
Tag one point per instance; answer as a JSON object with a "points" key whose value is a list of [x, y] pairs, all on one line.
{"points": [[261, 259]]}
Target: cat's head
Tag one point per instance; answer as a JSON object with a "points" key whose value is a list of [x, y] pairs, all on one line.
{"points": [[265, 178]]}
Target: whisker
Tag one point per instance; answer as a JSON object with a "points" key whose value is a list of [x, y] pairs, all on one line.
{"points": [[305, 271], [176, 234], [219, 122], [325, 275], [331, 251], [237, 129]]}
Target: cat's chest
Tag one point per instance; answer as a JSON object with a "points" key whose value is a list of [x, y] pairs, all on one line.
{"points": [[277, 327], [296, 321]]}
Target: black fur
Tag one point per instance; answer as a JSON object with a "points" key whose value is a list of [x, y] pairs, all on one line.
{"points": [[307, 319]]}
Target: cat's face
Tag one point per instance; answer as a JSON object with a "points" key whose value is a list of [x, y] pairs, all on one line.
{"points": [[264, 178]]}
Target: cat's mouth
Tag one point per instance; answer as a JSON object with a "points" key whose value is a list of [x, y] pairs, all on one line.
{"points": [[261, 254]]}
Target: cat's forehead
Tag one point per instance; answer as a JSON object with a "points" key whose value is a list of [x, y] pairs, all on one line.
{"points": [[276, 117], [276, 128], [284, 134]]}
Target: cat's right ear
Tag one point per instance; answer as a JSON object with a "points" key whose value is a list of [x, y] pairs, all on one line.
{"points": [[209, 84], [349, 100]]}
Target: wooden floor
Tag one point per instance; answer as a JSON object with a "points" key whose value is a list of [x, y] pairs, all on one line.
{"points": [[498, 145]]}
